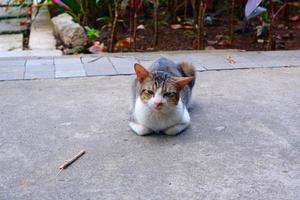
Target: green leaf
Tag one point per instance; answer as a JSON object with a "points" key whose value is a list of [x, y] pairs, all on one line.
{"points": [[73, 5], [265, 17]]}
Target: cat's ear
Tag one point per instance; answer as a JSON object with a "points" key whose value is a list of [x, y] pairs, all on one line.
{"points": [[181, 82], [141, 72]]}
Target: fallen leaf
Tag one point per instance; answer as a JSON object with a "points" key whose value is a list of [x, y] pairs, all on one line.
{"points": [[97, 48], [124, 43], [25, 22], [140, 27], [219, 37], [212, 42], [260, 41], [188, 27], [296, 4], [294, 18], [176, 26], [230, 60]]}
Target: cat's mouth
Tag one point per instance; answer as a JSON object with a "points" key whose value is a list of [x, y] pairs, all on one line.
{"points": [[158, 108]]}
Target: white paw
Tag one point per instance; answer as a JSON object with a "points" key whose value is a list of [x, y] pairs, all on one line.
{"points": [[174, 130], [139, 129]]}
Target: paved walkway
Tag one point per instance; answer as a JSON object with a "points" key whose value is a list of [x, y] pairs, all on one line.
{"points": [[33, 67], [243, 143]]}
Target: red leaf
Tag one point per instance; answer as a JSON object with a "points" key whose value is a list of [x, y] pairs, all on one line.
{"points": [[61, 4], [294, 18]]}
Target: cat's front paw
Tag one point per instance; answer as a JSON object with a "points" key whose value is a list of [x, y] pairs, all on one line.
{"points": [[140, 129], [175, 130]]}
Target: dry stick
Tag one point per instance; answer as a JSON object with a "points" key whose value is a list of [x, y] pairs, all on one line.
{"points": [[69, 162], [134, 29]]}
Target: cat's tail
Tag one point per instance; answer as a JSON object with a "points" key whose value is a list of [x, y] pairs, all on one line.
{"points": [[187, 70]]}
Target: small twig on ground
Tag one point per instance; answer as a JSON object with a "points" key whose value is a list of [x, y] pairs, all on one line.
{"points": [[230, 60], [69, 162]]}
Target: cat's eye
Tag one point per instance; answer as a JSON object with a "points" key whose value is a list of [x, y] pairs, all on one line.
{"points": [[169, 94], [149, 92]]}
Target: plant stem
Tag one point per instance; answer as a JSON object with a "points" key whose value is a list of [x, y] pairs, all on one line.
{"points": [[231, 26], [185, 9], [113, 31], [201, 25], [270, 38], [155, 22]]}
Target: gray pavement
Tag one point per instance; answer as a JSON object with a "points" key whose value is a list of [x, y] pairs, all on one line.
{"points": [[244, 141], [36, 67]]}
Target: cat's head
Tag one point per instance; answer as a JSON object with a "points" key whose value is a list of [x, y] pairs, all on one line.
{"points": [[159, 90]]}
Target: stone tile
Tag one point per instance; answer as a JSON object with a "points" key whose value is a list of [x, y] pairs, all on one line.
{"points": [[68, 61], [45, 68], [39, 74], [68, 67], [177, 58], [12, 63], [13, 68], [98, 66], [11, 42], [5, 76], [239, 62], [295, 53], [146, 63], [12, 25], [147, 56], [123, 65], [42, 28], [208, 61], [40, 62], [29, 53], [69, 73]]}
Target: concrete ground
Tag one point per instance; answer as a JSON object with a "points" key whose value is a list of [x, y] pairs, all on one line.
{"points": [[244, 141]]}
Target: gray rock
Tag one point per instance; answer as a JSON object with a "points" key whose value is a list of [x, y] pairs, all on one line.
{"points": [[68, 31]]}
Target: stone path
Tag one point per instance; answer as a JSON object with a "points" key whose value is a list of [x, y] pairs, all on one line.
{"points": [[42, 28], [33, 67]]}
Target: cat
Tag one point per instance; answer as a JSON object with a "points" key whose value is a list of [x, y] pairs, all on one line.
{"points": [[162, 97]]}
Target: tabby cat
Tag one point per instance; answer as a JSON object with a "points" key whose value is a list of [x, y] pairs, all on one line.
{"points": [[161, 97]]}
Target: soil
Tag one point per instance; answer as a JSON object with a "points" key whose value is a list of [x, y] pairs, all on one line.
{"points": [[286, 37]]}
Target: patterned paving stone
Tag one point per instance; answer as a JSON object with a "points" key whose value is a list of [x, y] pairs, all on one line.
{"points": [[98, 66], [39, 74], [123, 65], [40, 62], [12, 63], [69, 67], [5, 76]]}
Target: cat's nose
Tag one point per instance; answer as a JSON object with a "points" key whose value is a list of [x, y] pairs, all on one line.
{"points": [[157, 103]]}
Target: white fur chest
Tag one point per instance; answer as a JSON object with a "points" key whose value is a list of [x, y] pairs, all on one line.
{"points": [[158, 121]]}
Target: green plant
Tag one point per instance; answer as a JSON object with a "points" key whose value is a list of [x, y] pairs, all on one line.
{"points": [[91, 32]]}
